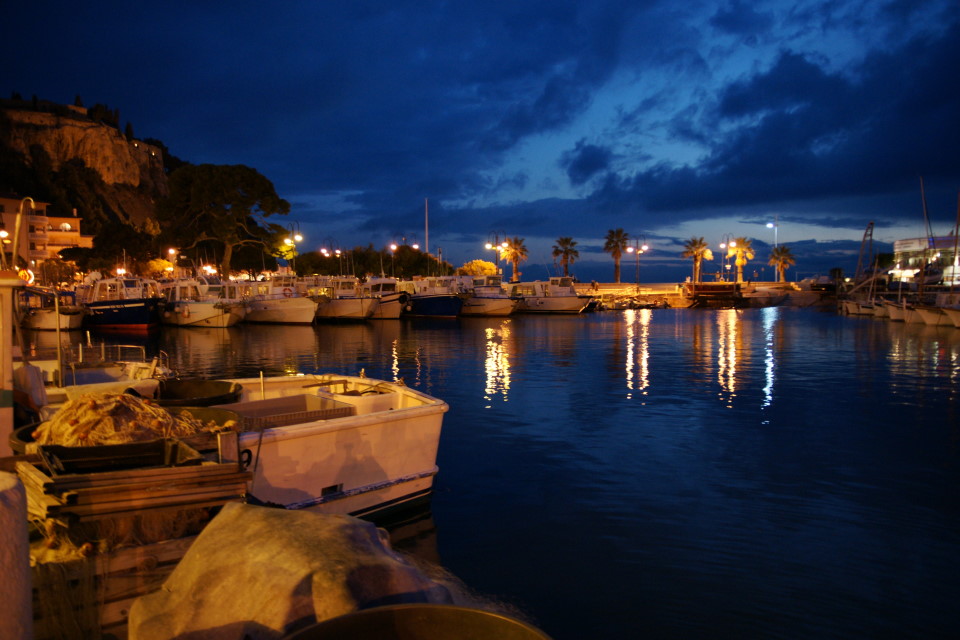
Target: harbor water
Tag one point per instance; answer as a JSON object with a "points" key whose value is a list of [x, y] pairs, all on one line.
{"points": [[678, 473]]}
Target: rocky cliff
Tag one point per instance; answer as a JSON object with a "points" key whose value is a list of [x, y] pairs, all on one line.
{"points": [[132, 171]]}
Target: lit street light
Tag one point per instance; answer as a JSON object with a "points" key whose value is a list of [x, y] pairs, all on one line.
{"points": [[725, 246], [498, 246], [774, 225], [636, 248], [291, 243]]}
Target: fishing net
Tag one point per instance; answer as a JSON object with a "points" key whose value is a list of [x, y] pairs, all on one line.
{"points": [[117, 418]]}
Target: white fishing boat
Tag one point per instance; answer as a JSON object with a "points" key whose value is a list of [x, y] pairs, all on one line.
{"points": [[201, 301], [486, 296], [556, 295], [390, 299], [342, 298], [331, 443], [278, 301], [44, 309]]}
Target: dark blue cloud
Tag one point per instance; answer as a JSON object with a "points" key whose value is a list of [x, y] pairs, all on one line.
{"points": [[585, 161]]}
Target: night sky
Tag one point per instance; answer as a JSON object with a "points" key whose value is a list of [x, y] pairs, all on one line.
{"points": [[538, 119]]}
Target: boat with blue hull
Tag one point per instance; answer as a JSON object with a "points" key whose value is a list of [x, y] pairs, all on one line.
{"points": [[122, 303], [433, 297]]}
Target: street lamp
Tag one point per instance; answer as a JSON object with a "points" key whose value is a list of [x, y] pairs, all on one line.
{"points": [[393, 250], [636, 248], [725, 246], [498, 246], [775, 226], [291, 242]]}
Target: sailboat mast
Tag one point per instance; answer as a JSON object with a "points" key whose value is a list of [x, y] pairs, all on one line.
{"points": [[426, 226]]}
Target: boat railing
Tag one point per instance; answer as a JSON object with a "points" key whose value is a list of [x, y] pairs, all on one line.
{"points": [[69, 358]]}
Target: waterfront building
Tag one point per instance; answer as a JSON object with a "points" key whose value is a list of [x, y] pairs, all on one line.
{"points": [[936, 256], [42, 235]]}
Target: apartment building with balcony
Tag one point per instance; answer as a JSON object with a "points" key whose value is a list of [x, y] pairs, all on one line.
{"points": [[42, 236]]}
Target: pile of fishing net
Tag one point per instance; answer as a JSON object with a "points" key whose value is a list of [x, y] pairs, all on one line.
{"points": [[100, 418], [118, 418]]}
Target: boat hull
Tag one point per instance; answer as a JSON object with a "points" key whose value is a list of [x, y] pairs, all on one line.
{"points": [[436, 306], [282, 310], [203, 314], [552, 304], [488, 306], [346, 308], [48, 319], [136, 314], [316, 465]]}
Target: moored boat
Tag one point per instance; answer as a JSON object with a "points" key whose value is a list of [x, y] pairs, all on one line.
{"points": [[435, 297], [556, 295], [341, 298], [278, 301], [486, 296], [200, 302], [122, 303], [390, 299], [44, 309]]}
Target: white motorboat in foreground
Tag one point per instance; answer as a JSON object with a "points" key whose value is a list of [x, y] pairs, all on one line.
{"points": [[331, 443]]}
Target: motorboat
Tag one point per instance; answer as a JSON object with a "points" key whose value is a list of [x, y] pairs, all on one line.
{"points": [[342, 298], [327, 442], [436, 297], [201, 301], [556, 295], [486, 296], [279, 301], [390, 299], [121, 303], [45, 309]]}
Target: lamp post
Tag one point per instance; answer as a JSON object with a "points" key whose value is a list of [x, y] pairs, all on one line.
{"points": [[291, 242], [637, 248], [724, 246], [775, 226], [393, 251], [498, 246]]}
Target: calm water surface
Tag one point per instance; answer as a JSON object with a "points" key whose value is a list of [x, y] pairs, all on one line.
{"points": [[775, 473]]}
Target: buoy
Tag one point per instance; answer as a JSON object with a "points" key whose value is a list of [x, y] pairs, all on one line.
{"points": [[287, 292]]}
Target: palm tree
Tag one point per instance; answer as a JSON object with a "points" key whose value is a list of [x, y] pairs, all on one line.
{"points": [[615, 245], [697, 249], [742, 250], [564, 249], [781, 258], [515, 253]]}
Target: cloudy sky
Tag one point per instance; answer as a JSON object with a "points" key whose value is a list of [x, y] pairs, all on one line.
{"points": [[539, 119]]}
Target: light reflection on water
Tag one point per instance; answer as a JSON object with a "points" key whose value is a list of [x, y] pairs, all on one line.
{"points": [[673, 473]]}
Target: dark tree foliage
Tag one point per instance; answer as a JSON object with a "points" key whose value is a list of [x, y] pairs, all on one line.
{"points": [[120, 244], [226, 204], [128, 132]]}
